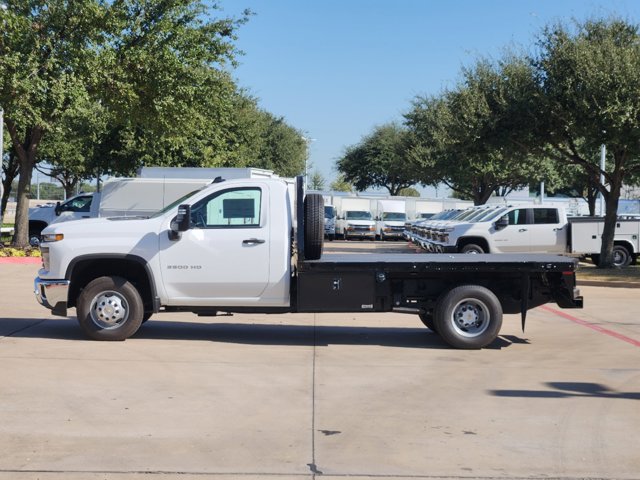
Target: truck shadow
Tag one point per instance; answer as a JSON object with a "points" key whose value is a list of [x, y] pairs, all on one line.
{"points": [[569, 390], [254, 334]]}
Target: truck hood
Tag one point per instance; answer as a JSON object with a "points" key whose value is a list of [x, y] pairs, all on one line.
{"points": [[83, 238], [90, 228]]}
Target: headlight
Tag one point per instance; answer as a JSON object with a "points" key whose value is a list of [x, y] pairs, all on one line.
{"points": [[52, 237]]}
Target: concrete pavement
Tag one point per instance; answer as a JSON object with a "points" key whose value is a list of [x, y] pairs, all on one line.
{"points": [[310, 396]]}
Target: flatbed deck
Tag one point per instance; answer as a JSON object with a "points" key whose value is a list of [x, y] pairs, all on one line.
{"points": [[437, 262]]}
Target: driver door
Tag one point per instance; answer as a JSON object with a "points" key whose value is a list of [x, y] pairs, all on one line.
{"points": [[223, 259]]}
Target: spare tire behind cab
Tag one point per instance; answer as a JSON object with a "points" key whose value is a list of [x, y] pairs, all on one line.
{"points": [[313, 226]]}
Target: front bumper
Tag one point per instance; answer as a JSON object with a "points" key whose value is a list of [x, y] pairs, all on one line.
{"points": [[392, 234], [359, 234], [52, 294]]}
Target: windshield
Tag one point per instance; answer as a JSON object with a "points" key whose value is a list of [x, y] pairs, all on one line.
{"points": [[357, 215], [491, 214], [397, 216], [446, 214], [174, 204], [468, 214], [329, 212]]}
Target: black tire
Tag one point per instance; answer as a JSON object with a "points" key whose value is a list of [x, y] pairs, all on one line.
{"points": [[468, 317], [110, 308], [35, 233], [472, 248], [428, 321], [147, 315], [332, 237], [621, 256], [313, 226]]}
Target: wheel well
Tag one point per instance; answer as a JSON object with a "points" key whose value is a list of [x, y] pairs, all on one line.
{"points": [[477, 240], [37, 226], [134, 271], [626, 245]]}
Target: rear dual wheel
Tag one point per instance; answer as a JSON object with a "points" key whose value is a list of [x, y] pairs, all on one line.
{"points": [[467, 317]]}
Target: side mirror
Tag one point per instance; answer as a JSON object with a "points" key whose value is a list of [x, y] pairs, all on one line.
{"points": [[502, 222], [181, 223], [58, 209]]}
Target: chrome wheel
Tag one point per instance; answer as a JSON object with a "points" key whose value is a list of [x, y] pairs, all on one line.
{"points": [[109, 310], [470, 317]]}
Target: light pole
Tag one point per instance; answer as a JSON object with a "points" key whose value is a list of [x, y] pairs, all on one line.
{"points": [[308, 141]]}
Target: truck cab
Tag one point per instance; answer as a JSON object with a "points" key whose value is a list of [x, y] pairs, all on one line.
{"points": [[391, 219], [330, 222], [509, 229], [77, 207]]}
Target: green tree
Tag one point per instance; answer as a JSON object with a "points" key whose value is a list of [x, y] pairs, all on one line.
{"points": [[589, 79], [409, 192], [460, 136], [381, 159], [283, 148], [316, 181], [259, 139], [146, 62], [341, 185]]}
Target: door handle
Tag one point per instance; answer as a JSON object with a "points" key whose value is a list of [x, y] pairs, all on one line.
{"points": [[252, 241], [522, 230]]}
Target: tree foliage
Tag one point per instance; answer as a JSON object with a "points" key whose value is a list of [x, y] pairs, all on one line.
{"points": [[316, 181], [589, 78], [154, 70], [341, 185], [382, 159], [463, 137]]}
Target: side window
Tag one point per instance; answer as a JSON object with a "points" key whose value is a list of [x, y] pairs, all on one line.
{"points": [[230, 208], [545, 215], [518, 216], [80, 204]]}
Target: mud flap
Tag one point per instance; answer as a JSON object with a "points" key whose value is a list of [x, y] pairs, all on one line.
{"points": [[524, 302]]}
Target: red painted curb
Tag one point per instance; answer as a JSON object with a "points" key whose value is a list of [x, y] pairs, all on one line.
{"points": [[20, 260], [592, 326]]}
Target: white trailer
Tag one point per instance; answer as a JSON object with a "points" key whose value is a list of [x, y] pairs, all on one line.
{"points": [[142, 197], [426, 209], [199, 172]]}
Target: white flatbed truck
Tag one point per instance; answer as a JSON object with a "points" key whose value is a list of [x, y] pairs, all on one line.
{"points": [[253, 245]]}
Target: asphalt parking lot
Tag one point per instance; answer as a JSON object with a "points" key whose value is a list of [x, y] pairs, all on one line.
{"points": [[324, 395]]}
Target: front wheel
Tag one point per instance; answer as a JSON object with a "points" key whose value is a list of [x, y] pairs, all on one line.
{"points": [[472, 248], [110, 308], [468, 317]]}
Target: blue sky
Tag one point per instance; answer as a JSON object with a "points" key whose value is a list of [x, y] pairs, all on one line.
{"points": [[336, 69]]}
